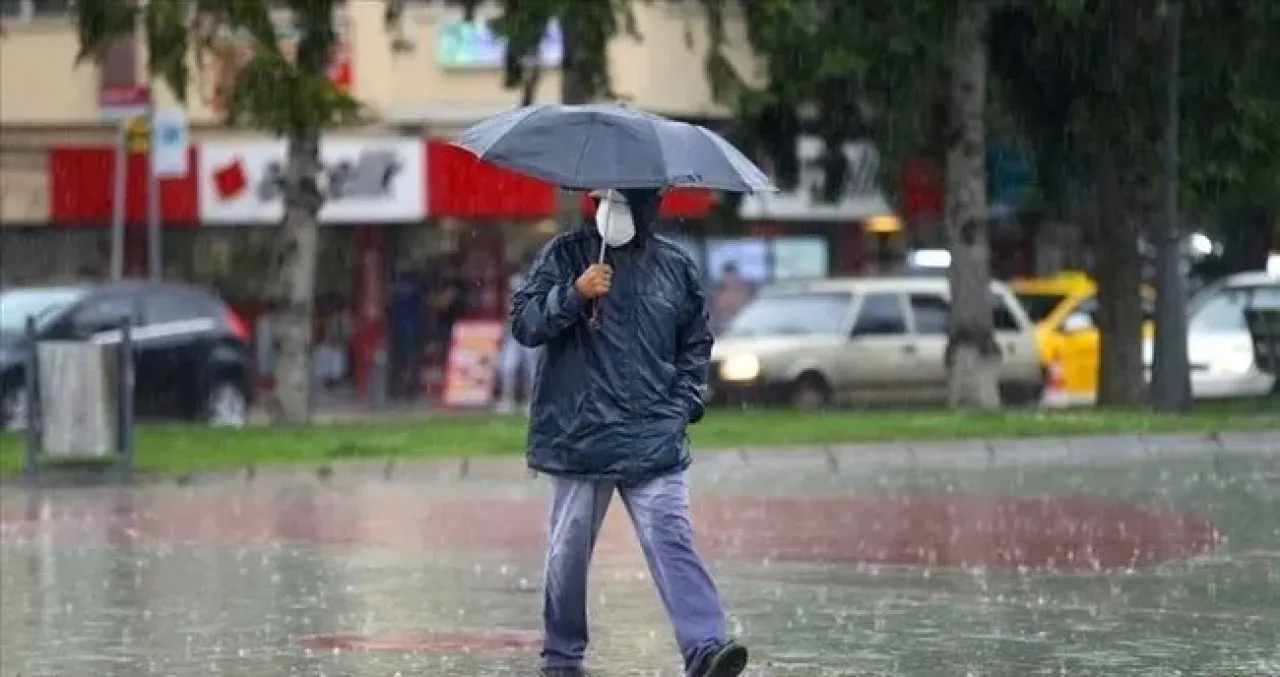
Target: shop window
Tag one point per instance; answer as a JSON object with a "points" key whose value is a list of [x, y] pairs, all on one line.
{"points": [[31, 256], [50, 8]]}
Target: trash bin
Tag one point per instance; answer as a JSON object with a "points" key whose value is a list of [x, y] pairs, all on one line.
{"points": [[78, 392]]}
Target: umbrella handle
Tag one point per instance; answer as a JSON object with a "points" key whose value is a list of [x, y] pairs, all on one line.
{"points": [[604, 246], [604, 235]]}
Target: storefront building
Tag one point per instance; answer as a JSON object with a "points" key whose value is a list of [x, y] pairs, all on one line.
{"points": [[399, 197], [426, 78]]}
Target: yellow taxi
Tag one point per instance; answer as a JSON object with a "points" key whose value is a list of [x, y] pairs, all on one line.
{"points": [[1064, 308]]}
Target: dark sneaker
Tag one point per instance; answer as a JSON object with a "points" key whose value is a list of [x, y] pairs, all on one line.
{"points": [[562, 672], [727, 661]]}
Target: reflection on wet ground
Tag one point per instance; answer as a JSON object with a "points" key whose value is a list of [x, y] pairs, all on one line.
{"points": [[1141, 565]]}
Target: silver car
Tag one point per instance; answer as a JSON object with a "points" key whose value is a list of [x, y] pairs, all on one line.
{"points": [[1219, 345], [861, 340]]}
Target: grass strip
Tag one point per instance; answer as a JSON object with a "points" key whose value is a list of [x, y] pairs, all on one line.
{"points": [[187, 448]]}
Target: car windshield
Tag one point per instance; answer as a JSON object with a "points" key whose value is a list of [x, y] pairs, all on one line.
{"points": [[1040, 306], [43, 304], [1222, 310], [792, 315]]}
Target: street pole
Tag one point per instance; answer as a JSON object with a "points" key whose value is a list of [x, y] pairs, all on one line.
{"points": [[1171, 374], [117, 201], [154, 245]]}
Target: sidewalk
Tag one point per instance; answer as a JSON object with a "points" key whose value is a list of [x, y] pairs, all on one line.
{"points": [[1101, 557]]}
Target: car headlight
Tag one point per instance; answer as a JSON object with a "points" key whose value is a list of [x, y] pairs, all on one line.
{"points": [[740, 367], [1231, 363]]}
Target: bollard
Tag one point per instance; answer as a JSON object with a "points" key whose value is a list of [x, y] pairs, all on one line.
{"points": [[378, 379], [31, 384], [124, 402]]}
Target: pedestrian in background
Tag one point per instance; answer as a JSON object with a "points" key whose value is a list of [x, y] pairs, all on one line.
{"points": [[517, 364], [405, 315]]}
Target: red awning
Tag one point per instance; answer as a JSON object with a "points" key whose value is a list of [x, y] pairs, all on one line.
{"points": [[82, 185], [460, 186]]}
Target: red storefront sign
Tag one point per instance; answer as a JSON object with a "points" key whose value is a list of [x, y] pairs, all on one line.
{"points": [[460, 186], [82, 186]]}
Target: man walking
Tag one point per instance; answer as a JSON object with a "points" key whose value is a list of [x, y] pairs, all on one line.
{"points": [[610, 409]]}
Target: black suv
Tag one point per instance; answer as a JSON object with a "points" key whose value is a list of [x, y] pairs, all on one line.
{"points": [[192, 353]]}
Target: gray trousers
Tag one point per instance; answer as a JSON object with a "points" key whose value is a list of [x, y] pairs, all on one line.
{"points": [[659, 511]]}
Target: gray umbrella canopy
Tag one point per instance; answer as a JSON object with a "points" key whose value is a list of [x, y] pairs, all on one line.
{"points": [[600, 146]]}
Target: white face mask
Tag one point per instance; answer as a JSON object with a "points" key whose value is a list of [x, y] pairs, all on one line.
{"points": [[616, 217]]}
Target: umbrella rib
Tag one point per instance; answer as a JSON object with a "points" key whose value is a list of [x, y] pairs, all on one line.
{"points": [[756, 181], [586, 145]]}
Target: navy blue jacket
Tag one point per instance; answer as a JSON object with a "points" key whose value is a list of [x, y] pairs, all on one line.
{"points": [[613, 402]]}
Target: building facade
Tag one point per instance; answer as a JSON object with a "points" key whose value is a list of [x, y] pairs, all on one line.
{"points": [[422, 80]]}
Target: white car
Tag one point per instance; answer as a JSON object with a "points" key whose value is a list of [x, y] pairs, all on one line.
{"points": [[1219, 345], [861, 341]]}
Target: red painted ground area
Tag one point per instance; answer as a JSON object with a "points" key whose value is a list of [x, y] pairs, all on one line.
{"points": [[440, 642], [1050, 533]]}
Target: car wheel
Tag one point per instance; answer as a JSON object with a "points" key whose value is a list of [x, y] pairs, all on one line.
{"points": [[13, 410], [226, 406], [810, 392]]}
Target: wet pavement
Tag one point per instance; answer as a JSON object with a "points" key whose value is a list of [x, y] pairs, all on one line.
{"points": [[1088, 561]]}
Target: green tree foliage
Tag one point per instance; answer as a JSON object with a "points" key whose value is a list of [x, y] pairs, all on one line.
{"points": [[816, 79], [1086, 78], [586, 28], [1230, 103], [289, 97], [911, 75]]}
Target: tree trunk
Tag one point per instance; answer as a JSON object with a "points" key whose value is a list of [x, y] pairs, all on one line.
{"points": [[1119, 275], [973, 357], [294, 275]]}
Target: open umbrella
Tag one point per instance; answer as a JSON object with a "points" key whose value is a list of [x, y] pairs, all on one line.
{"points": [[603, 146]]}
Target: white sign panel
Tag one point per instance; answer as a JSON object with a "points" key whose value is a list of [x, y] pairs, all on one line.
{"points": [[169, 141], [860, 198], [366, 180]]}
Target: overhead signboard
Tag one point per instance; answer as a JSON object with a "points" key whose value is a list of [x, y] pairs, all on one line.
{"points": [[473, 44]]}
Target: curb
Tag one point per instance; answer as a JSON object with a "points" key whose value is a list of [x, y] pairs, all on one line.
{"points": [[997, 452]]}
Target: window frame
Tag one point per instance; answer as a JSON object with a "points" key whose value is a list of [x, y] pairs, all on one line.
{"points": [[76, 316], [903, 312], [915, 326]]}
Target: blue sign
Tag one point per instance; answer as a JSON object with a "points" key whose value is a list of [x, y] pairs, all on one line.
{"points": [[169, 140], [473, 44], [1012, 173]]}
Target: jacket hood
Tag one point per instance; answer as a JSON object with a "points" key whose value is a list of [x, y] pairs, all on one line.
{"points": [[645, 205]]}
